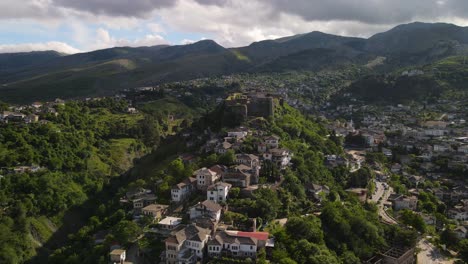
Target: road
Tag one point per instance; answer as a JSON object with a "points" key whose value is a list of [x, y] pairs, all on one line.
{"points": [[429, 254], [380, 192]]}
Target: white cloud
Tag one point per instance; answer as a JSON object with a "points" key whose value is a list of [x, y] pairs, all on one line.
{"points": [[155, 28], [187, 41], [104, 40], [27, 47]]}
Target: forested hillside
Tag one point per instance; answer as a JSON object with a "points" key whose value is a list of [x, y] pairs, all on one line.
{"points": [[53, 169]]}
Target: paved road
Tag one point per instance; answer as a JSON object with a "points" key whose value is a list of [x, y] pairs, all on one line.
{"points": [[430, 254], [380, 192]]}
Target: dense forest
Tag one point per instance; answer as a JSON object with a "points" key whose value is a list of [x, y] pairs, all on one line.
{"points": [[76, 154]]}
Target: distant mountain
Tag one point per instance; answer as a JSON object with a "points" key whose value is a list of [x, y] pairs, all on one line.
{"points": [[419, 43], [45, 75], [12, 62], [446, 78], [269, 50]]}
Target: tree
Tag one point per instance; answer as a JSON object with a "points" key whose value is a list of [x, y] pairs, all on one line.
{"points": [[412, 219], [151, 131], [463, 253], [227, 158], [126, 231], [308, 228], [449, 238]]}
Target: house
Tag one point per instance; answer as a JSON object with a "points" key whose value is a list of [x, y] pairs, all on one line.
{"points": [[238, 178], [222, 148], [281, 157], [261, 147], [132, 110], [248, 160], [236, 244], [458, 213], [206, 209], [187, 245], [219, 169], [183, 190], [139, 198], [416, 180], [157, 211], [118, 256], [428, 219], [396, 168], [29, 119], [239, 133], [143, 200], [360, 193], [36, 105], [272, 141], [405, 202], [218, 192], [169, 223], [317, 191], [387, 152], [461, 232], [7, 116], [100, 236], [205, 177]]}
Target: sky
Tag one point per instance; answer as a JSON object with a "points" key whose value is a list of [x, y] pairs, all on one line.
{"points": [[73, 26]]}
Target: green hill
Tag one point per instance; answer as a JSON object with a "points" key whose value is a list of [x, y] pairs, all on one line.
{"points": [[446, 78]]}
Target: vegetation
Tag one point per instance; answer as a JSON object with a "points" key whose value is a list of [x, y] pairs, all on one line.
{"points": [[78, 151]]}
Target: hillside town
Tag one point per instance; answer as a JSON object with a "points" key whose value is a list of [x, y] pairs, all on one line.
{"points": [[417, 155]]}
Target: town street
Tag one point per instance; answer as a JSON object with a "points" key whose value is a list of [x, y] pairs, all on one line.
{"points": [[429, 254]]}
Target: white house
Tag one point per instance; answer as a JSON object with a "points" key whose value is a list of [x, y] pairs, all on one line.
{"points": [[218, 192], [236, 244], [118, 256], [181, 191], [169, 223], [239, 133]]}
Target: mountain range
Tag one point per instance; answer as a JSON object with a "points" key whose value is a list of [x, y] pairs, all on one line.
{"points": [[46, 75]]}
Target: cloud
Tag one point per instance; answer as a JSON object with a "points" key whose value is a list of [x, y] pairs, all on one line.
{"points": [[103, 40], [27, 47], [37, 9], [229, 22], [126, 8], [155, 28]]}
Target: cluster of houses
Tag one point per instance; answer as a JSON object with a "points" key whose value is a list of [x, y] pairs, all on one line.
{"points": [[203, 238], [422, 150], [202, 235], [29, 114]]}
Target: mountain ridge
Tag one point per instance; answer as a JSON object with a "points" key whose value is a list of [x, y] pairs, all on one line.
{"points": [[123, 67]]}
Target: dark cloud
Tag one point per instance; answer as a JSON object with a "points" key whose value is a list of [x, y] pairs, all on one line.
{"points": [[214, 2], [127, 8], [365, 11]]}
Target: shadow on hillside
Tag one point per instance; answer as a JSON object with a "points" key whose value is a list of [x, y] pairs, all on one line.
{"points": [[77, 216]]}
